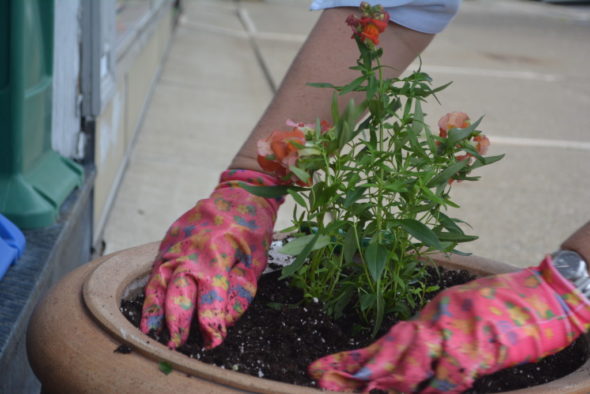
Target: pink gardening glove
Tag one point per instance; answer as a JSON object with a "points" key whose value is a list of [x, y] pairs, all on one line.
{"points": [[465, 332], [212, 256]]}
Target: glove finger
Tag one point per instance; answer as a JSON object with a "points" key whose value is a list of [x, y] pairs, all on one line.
{"points": [[401, 360], [212, 299], [242, 289], [152, 313], [405, 360], [180, 305], [334, 372]]}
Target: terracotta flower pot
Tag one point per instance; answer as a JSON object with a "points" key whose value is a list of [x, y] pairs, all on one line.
{"points": [[75, 330]]}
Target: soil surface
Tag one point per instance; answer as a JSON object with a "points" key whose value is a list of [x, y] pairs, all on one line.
{"points": [[277, 339]]}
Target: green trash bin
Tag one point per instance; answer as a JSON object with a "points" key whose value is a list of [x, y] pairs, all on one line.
{"points": [[34, 179]]}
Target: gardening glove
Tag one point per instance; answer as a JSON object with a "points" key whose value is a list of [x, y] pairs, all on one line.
{"points": [[212, 256], [464, 332]]}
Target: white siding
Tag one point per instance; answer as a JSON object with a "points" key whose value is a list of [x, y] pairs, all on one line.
{"points": [[66, 69]]}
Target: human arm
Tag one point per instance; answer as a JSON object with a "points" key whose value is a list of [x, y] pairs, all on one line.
{"points": [[326, 56], [579, 242]]}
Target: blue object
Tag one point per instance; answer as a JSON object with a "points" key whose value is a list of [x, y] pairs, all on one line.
{"points": [[426, 16], [12, 244]]}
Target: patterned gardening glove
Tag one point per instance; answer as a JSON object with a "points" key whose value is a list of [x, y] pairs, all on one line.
{"points": [[211, 256], [464, 332]]}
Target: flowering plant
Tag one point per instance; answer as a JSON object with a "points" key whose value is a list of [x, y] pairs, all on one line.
{"points": [[377, 205]]}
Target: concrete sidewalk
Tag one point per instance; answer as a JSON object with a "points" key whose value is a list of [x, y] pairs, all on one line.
{"points": [[521, 64]]}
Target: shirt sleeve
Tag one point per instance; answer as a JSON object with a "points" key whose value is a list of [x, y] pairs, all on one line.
{"points": [[426, 16]]}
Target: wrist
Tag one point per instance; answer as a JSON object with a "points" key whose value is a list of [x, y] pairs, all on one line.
{"points": [[572, 267], [241, 162], [579, 242]]}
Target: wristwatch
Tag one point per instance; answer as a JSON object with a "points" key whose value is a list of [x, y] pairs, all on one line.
{"points": [[573, 267]]}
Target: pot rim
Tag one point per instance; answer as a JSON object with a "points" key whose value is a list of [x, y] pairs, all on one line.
{"points": [[102, 297]]}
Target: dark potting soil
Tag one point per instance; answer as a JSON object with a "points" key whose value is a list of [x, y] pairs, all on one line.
{"points": [[277, 339]]}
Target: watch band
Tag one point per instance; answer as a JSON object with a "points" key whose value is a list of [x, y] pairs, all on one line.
{"points": [[573, 268]]}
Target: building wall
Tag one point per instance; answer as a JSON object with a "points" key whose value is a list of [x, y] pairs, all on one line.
{"points": [[136, 69]]}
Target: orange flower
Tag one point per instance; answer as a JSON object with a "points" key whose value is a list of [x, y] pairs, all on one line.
{"points": [[452, 120], [372, 23], [463, 157], [280, 150], [372, 28], [482, 144]]}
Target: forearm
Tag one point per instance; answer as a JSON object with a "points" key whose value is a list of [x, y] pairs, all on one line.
{"points": [[326, 56], [580, 242]]}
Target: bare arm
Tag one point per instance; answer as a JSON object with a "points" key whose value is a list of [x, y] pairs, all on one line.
{"points": [[580, 242], [326, 56]]}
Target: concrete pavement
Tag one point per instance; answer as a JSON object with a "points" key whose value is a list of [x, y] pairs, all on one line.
{"points": [[522, 64]]}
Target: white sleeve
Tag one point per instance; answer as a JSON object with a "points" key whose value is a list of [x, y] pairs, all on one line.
{"points": [[426, 16]]}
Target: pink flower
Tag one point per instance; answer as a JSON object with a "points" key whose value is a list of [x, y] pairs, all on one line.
{"points": [[452, 120], [282, 150], [482, 144], [279, 151], [460, 120]]}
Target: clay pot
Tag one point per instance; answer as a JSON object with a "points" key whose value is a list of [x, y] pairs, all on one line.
{"points": [[76, 328]]}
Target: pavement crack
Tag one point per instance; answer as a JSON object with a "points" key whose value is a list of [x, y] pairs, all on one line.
{"points": [[250, 28]]}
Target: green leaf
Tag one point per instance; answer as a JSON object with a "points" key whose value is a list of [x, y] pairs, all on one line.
{"points": [[371, 87], [456, 237], [352, 196], [347, 122], [277, 306], [421, 232], [345, 133], [342, 301], [433, 197], [432, 288], [449, 223], [456, 135], [165, 367], [459, 253], [299, 173], [289, 229], [318, 126], [418, 122], [350, 246], [487, 160], [268, 191], [352, 86], [322, 195], [438, 89], [300, 259], [447, 173], [353, 112], [397, 186], [367, 301], [376, 257], [413, 138], [321, 85], [379, 312], [297, 197], [335, 109], [299, 245], [419, 119]]}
